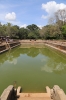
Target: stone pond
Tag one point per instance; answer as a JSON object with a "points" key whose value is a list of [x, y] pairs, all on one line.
{"points": [[33, 68]]}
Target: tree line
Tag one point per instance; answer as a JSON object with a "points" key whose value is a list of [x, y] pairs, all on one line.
{"points": [[15, 32], [56, 29]]}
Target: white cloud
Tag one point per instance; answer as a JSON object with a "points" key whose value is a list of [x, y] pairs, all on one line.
{"points": [[44, 17], [24, 25], [51, 7], [14, 61], [10, 16]]}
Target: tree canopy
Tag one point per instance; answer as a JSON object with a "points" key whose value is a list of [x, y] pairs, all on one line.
{"points": [[56, 29]]}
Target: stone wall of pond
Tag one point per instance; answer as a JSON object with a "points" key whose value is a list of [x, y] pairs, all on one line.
{"points": [[7, 46], [58, 44]]}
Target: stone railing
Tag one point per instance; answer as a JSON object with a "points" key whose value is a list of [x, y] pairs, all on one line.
{"points": [[9, 93], [56, 93]]}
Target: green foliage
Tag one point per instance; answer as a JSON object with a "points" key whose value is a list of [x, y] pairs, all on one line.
{"points": [[23, 33], [33, 31], [32, 27], [55, 31], [64, 31], [14, 31]]}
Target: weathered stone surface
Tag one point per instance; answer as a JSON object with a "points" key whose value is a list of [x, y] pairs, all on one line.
{"points": [[7, 46], [34, 96], [10, 93], [6, 92], [47, 89], [58, 93], [19, 89]]}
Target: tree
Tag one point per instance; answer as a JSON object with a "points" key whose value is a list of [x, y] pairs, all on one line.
{"points": [[45, 32], [8, 29], [23, 33], [32, 27], [59, 17], [64, 31], [14, 31], [62, 15], [58, 20], [33, 31]]}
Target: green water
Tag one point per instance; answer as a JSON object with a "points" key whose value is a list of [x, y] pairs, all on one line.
{"points": [[33, 68]]}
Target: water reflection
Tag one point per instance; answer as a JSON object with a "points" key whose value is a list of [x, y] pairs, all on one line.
{"points": [[52, 61], [54, 67], [32, 67], [10, 56], [14, 61]]}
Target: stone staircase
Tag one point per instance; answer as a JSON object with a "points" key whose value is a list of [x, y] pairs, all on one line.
{"points": [[11, 93]]}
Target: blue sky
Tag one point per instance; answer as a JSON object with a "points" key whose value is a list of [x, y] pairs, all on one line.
{"points": [[27, 12]]}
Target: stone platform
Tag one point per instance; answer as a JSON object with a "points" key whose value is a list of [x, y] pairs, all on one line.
{"points": [[34, 96]]}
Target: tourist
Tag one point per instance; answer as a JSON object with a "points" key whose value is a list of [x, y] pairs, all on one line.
{"points": [[6, 40]]}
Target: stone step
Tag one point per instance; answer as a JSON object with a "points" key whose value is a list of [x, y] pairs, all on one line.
{"points": [[34, 94], [34, 98]]}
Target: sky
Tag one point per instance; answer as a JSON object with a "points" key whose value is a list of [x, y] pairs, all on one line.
{"points": [[27, 12]]}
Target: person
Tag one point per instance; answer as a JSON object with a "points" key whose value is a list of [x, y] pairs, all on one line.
{"points": [[6, 40]]}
